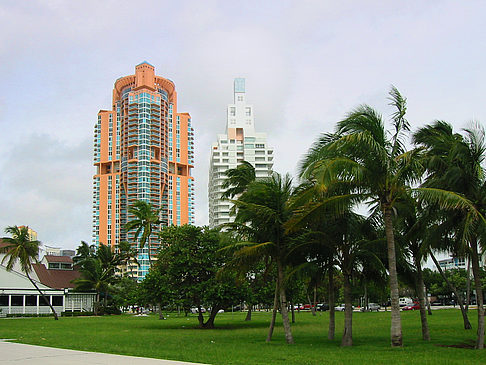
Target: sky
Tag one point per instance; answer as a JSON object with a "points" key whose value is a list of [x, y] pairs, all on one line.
{"points": [[306, 63]]}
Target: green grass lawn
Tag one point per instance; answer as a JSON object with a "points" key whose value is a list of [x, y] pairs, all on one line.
{"points": [[237, 342]]}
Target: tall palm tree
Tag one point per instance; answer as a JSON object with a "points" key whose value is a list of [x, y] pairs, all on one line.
{"points": [[455, 169], [376, 167], [262, 210], [21, 248], [412, 227], [146, 219]]}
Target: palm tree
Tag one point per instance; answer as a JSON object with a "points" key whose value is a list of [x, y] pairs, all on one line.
{"points": [[262, 209], [412, 227], [127, 254], [24, 250], [146, 219], [455, 170], [376, 168], [238, 179], [95, 276], [83, 252]]}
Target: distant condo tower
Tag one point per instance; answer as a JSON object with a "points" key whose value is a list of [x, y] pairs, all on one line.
{"points": [[143, 150], [240, 142]]}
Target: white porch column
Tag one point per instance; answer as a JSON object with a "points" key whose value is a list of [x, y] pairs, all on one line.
{"points": [[37, 304], [10, 304], [23, 304]]}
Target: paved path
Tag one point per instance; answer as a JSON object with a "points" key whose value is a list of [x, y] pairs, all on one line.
{"points": [[20, 354]]}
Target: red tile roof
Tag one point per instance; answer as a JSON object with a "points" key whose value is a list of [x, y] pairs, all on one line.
{"points": [[58, 279], [51, 258]]}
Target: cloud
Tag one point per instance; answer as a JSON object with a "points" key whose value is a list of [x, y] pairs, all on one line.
{"points": [[46, 184], [307, 63]]}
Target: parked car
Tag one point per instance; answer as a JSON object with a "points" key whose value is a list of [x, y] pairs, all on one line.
{"points": [[322, 307], [405, 301], [195, 310], [411, 307], [340, 308], [305, 307], [371, 307]]}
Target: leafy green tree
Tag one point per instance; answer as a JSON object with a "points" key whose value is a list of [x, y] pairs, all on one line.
{"points": [[125, 292], [376, 168], [189, 263], [20, 248]]}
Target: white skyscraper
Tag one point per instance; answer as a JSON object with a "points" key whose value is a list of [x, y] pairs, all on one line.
{"points": [[240, 142]]}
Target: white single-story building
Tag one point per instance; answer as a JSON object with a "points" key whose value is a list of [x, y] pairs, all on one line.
{"points": [[54, 276]]}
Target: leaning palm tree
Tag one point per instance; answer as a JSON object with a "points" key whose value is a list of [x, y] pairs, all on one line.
{"points": [[376, 168], [146, 219], [21, 248], [455, 169]]}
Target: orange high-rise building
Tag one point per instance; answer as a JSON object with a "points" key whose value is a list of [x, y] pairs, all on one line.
{"points": [[143, 150]]}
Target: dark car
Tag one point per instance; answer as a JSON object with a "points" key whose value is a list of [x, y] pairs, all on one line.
{"points": [[322, 307]]}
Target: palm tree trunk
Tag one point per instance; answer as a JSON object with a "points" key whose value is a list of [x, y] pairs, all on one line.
{"points": [[479, 294], [421, 296], [293, 312], [468, 284], [467, 324], [396, 323], [96, 304], [332, 313], [366, 296], [429, 310], [347, 339], [43, 296], [283, 305], [274, 313], [148, 247], [310, 303]]}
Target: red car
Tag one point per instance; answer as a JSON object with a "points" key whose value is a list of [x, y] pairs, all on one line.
{"points": [[411, 307]]}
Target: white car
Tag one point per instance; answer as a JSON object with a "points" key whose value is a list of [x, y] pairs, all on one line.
{"points": [[340, 308]]}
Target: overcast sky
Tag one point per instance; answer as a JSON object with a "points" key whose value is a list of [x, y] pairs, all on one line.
{"points": [[306, 64]]}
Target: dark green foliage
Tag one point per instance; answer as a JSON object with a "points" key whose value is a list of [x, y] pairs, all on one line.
{"points": [[188, 272]]}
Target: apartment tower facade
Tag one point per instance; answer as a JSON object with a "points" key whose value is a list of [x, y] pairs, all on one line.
{"points": [[143, 150], [240, 143]]}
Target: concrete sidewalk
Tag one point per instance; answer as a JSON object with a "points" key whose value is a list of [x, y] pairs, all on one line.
{"points": [[17, 353]]}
